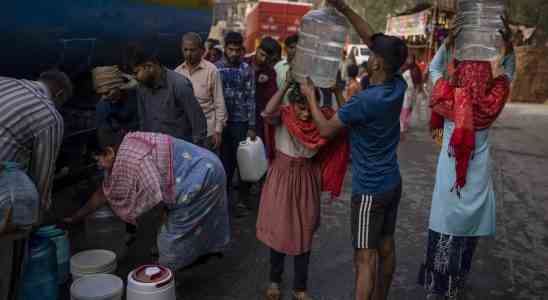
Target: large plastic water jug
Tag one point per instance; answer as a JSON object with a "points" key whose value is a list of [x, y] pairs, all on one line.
{"points": [[104, 230], [252, 162], [39, 279], [60, 238], [480, 22], [322, 36]]}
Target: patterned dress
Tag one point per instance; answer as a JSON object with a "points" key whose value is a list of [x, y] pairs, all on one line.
{"points": [[187, 180], [289, 212], [458, 220], [198, 221]]}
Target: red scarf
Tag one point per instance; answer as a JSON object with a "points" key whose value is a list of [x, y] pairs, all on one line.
{"points": [[333, 155], [473, 102]]}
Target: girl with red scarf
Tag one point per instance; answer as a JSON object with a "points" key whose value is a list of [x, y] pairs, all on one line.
{"points": [[465, 103], [302, 166]]}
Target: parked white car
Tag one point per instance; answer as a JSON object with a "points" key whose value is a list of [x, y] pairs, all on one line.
{"points": [[360, 52]]}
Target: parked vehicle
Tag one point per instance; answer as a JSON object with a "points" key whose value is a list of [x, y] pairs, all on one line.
{"points": [[360, 52], [78, 35], [278, 19]]}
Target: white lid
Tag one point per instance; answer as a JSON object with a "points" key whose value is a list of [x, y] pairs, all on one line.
{"points": [[151, 271], [92, 261], [97, 287], [110, 269]]}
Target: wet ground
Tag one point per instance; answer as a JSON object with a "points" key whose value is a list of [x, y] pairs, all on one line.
{"points": [[512, 265]]}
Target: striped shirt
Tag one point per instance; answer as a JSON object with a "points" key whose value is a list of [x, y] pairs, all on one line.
{"points": [[31, 131]]}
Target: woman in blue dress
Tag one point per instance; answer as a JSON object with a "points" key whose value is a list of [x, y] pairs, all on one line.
{"points": [[149, 169], [463, 202]]}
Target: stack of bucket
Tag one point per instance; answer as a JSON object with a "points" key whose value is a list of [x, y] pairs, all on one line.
{"points": [[92, 262], [97, 287], [92, 276], [92, 270], [149, 282]]}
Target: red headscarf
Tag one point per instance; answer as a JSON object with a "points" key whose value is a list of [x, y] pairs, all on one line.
{"points": [[473, 102]]}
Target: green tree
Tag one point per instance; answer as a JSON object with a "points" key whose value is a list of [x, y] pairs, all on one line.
{"points": [[528, 12]]}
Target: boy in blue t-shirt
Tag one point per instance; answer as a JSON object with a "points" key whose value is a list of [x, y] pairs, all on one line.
{"points": [[372, 117]]}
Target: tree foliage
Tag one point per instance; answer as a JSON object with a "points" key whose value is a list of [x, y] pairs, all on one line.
{"points": [[528, 12]]}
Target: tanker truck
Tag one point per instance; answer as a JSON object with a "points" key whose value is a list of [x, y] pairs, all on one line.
{"points": [[77, 35]]}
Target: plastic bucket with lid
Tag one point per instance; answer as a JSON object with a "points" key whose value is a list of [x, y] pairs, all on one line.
{"points": [[62, 245], [97, 287], [92, 262], [151, 282]]}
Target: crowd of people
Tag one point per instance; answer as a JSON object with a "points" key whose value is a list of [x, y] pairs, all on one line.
{"points": [[168, 140]]}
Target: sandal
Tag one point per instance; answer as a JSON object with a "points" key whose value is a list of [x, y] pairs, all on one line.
{"points": [[301, 296], [273, 292]]}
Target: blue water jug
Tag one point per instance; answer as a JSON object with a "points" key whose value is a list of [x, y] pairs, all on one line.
{"points": [[39, 279], [60, 238]]}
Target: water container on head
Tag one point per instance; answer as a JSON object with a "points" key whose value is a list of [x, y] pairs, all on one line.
{"points": [[479, 22], [322, 36]]}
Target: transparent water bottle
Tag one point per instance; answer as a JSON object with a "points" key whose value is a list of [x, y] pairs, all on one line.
{"points": [[480, 22], [319, 51]]}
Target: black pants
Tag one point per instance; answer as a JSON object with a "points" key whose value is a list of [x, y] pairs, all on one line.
{"points": [[301, 269], [233, 134]]}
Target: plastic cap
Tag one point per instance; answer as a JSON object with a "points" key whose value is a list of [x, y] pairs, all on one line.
{"points": [[151, 271]]}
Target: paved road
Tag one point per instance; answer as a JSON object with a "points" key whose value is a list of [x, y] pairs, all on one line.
{"points": [[513, 265]]}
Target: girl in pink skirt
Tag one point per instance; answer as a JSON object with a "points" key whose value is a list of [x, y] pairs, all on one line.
{"points": [[289, 211]]}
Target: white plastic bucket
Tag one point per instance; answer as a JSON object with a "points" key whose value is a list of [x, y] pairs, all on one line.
{"points": [[92, 262], [252, 162], [151, 282], [97, 287]]}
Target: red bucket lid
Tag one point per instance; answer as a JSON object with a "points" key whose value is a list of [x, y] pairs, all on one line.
{"points": [[152, 274]]}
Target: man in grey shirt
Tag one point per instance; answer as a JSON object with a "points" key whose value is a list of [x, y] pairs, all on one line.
{"points": [[166, 101]]}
